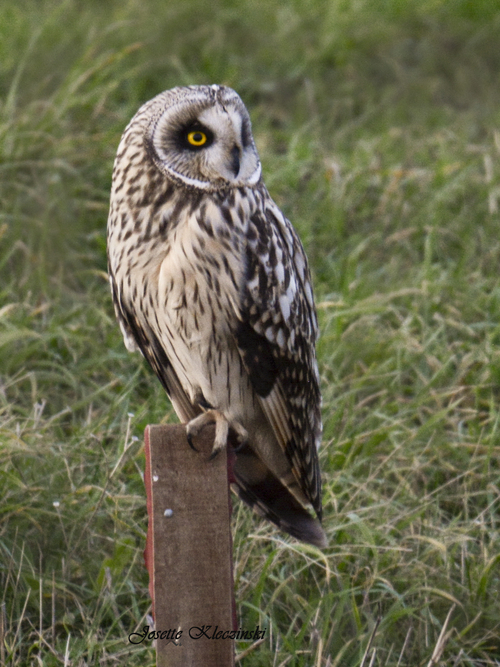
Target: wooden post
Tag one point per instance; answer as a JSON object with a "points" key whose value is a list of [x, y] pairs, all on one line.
{"points": [[189, 549]]}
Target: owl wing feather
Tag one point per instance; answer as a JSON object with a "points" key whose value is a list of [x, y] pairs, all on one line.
{"points": [[136, 337], [276, 338]]}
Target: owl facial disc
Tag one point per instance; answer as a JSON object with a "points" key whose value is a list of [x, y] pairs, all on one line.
{"points": [[201, 136]]}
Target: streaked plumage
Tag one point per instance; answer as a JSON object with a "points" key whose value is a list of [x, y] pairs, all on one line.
{"points": [[210, 282]]}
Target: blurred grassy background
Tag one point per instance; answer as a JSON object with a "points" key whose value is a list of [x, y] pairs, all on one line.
{"points": [[378, 126]]}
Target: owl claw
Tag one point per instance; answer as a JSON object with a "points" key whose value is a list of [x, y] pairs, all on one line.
{"points": [[241, 444], [213, 454], [222, 425], [241, 437], [189, 438]]}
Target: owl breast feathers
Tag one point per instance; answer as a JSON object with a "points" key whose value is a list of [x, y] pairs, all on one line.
{"points": [[210, 282]]}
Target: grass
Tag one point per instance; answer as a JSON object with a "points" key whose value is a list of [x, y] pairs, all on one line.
{"points": [[379, 132]]}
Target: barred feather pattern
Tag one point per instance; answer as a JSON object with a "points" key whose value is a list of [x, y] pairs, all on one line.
{"points": [[211, 283]]}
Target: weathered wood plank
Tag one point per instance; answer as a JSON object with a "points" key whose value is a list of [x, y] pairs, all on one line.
{"points": [[189, 548]]}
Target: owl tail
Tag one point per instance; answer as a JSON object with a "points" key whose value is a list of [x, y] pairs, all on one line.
{"points": [[273, 501]]}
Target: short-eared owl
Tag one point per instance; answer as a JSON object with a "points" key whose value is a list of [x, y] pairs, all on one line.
{"points": [[210, 282]]}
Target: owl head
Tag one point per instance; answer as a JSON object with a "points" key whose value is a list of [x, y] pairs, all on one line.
{"points": [[201, 136]]}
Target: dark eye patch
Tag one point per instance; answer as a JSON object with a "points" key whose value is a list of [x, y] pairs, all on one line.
{"points": [[246, 133], [198, 128]]}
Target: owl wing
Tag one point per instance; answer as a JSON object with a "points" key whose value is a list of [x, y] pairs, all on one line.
{"points": [[276, 337], [138, 339]]}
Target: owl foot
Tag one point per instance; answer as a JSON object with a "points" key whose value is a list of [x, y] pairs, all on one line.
{"points": [[222, 426]]}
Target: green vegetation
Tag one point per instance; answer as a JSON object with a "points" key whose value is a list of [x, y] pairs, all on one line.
{"points": [[378, 125]]}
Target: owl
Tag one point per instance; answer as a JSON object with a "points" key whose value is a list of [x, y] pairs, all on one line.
{"points": [[211, 283]]}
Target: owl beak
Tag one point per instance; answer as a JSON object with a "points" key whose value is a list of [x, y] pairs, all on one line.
{"points": [[235, 161]]}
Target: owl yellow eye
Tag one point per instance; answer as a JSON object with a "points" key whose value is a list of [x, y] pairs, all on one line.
{"points": [[197, 138]]}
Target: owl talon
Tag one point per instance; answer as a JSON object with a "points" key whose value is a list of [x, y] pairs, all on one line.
{"points": [[222, 426], [241, 437], [189, 438], [240, 446], [213, 454]]}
